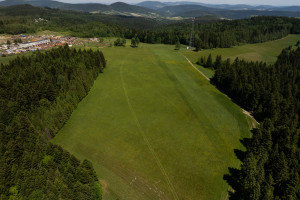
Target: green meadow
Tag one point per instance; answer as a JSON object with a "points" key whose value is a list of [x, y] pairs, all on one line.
{"points": [[5, 60], [154, 128], [266, 52]]}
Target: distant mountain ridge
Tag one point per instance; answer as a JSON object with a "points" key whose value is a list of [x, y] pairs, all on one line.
{"points": [[56, 4], [159, 5], [196, 9], [177, 9], [189, 10], [155, 5], [157, 9], [118, 8]]}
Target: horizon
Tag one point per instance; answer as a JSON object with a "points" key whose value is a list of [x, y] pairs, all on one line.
{"points": [[213, 2]]}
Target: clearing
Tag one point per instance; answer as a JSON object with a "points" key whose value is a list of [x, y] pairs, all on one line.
{"points": [[267, 52], [154, 128]]}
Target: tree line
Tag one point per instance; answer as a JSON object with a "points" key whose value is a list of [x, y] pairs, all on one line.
{"points": [[208, 63], [270, 164], [37, 95], [224, 33], [220, 34]]}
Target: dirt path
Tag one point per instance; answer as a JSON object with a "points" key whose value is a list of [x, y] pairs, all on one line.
{"points": [[244, 111], [104, 186], [195, 67], [249, 115]]}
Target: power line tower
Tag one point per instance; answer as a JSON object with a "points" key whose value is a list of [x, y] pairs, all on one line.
{"points": [[192, 34]]}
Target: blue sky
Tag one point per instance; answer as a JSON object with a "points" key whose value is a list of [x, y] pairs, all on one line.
{"points": [[250, 2]]}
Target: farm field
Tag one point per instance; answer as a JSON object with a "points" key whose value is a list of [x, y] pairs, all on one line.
{"points": [[267, 52], [154, 128], [5, 60]]}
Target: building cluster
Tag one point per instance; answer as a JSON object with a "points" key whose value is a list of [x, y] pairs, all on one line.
{"points": [[24, 43]]}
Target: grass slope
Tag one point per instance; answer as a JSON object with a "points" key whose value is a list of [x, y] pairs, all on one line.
{"points": [[5, 60], [267, 51], [154, 128]]}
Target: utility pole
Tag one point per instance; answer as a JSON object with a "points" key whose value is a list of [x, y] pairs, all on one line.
{"points": [[192, 34]]}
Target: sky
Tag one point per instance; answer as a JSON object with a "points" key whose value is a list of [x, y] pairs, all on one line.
{"points": [[250, 2]]}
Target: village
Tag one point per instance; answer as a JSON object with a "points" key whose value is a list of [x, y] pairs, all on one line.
{"points": [[17, 44]]}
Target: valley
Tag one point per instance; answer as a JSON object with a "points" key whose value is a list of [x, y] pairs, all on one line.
{"points": [[149, 101]]}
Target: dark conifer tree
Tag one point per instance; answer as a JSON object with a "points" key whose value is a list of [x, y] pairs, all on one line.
{"points": [[209, 62], [270, 165], [218, 62], [177, 45], [37, 95]]}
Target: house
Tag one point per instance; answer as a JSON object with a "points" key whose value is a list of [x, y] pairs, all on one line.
{"points": [[34, 44], [9, 51], [4, 46]]}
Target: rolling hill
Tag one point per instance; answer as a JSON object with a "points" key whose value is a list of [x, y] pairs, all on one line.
{"points": [[156, 9], [179, 9], [223, 6], [198, 10], [55, 4], [155, 5], [239, 11], [289, 8], [132, 9], [158, 5], [118, 8], [234, 14]]}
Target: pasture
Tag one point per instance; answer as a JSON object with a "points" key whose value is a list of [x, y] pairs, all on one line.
{"points": [[266, 52], [154, 128]]}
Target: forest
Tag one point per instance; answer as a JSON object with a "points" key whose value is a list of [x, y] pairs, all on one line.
{"points": [[270, 165], [207, 34], [37, 96], [224, 33]]}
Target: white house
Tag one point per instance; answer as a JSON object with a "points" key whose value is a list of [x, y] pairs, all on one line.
{"points": [[33, 44]]}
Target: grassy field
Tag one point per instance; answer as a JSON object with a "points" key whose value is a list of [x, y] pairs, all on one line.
{"points": [[267, 52], [5, 60], [155, 129]]}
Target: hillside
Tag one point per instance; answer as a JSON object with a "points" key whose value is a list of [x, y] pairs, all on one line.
{"points": [[270, 164], [217, 113], [154, 5], [239, 11], [19, 20], [155, 9], [165, 127], [224, 33], [288, 8], [132, 9], [38, 95], [240, 14], [118, 8], [158, 4], [230, 14], [55, 4], [179, 9], [264, 52], [199, 10]]}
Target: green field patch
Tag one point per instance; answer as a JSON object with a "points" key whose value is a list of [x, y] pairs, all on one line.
{"points": [[154, 128], [266, 52], [5, 60]]}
